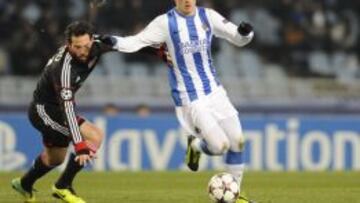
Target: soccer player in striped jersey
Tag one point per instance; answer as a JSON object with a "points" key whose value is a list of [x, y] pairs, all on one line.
{"points": [[202, 105]]}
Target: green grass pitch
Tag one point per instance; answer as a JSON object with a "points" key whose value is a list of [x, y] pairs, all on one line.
{"points": [[188, 187]]}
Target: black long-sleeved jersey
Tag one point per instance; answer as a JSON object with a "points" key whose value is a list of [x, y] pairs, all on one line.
{"points": [[62, 77]]}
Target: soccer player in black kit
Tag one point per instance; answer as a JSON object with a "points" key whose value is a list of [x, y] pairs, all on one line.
{"points": [[52, 112]]}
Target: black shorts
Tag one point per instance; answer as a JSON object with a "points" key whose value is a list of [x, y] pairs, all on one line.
{"points": [[50, 121]]}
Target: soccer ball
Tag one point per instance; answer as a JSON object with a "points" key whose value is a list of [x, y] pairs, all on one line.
{"points": [[223, 188]]}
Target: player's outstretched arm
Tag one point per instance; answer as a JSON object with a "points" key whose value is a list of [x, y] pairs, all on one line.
{"points": [[109, 43], [238, 35], [153, 34]]}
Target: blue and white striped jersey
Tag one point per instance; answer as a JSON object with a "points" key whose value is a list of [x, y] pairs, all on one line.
{"points": [[188, 39]]}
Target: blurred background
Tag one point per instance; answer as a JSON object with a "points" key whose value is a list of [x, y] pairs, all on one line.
{"points": [[296, 85], [305, 53]]}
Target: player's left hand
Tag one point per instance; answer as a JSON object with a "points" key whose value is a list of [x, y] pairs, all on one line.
{"points": [[165, 55], [245, 28], [84, 154], [83, 159]]}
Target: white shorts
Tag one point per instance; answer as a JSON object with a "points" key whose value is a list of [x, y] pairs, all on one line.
{"points": [[208, 110]]}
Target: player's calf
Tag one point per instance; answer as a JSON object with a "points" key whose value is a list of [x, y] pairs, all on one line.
{"points": [[53, 156]]}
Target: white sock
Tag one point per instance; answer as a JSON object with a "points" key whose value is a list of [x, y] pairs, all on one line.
{"points": [[236, 170]]}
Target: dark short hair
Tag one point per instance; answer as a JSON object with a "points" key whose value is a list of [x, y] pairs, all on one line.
{"points": [[78, 28]]}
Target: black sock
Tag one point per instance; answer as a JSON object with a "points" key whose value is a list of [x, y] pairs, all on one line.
{"points": [[67, 177], [36, 171]]}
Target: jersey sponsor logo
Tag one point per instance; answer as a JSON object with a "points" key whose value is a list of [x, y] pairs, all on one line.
{"points": [[66, 94], [194, 46]]}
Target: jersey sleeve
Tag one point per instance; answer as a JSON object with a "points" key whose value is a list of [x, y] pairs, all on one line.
{"points": [[227, 30], [66, 96], [153, 34]]}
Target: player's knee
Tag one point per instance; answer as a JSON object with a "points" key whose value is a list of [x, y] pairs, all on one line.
{"points": [[221, 147], [54, 156], [53, 160], [239, 143]]}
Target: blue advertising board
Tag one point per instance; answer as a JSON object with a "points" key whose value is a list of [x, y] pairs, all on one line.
{"points": [[274, 142]]}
